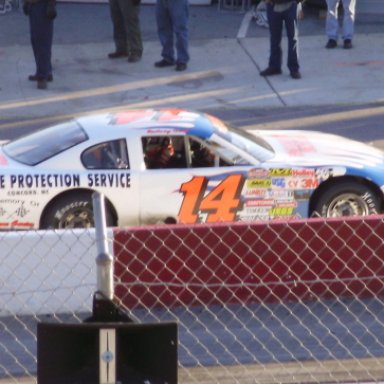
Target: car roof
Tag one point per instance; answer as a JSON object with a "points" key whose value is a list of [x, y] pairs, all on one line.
{"points": [[149, 122]]}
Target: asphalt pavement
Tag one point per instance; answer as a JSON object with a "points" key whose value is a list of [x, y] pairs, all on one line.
{"points": [[227, 48]]}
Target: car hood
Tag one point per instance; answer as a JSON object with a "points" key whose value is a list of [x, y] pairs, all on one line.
{"points": [[314, 148]]}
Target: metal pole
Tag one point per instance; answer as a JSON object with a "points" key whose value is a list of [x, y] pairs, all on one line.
{"points": [[104, 259]]}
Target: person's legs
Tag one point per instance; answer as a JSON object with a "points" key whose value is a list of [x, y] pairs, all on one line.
{"points": [[41, 38], [290, 19], [119, 35], [331, 22], [165, 30], [180, 15], [130, 15], [275, 22], [349, 19]]}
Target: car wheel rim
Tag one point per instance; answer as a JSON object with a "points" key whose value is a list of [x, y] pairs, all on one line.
{"points": [[348, 204], [77, 219]]}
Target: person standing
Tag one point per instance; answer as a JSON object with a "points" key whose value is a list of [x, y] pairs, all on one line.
{"points": [[172, 22], [126, 29], [41, 14], [332, 22], [280, 12]]}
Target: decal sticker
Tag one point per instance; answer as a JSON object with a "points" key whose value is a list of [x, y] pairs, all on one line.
{"points": [[220, 204], [296, 146], [116, 180], [280, 172], [43, 181], [259, 183]]}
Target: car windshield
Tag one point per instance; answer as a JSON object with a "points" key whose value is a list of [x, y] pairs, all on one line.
{"points": [[42, 145], [252, 145]]}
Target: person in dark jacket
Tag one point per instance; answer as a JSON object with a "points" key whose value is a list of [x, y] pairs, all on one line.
{"points": [[41, 14], [280, 12]]}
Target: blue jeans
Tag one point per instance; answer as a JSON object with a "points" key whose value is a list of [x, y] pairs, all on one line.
{"points": [[276, 21], [172, 21], [41, 30], [332, 23]]}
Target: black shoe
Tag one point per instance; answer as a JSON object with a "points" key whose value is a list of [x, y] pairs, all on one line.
{"points": [[164, 63], [347, 44], [134, 58], [181, 66], [36, 78], [270, 72], [42, 84], [331, 44], [117, 55], [296, 75]]}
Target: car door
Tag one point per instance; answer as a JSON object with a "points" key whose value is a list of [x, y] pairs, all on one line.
{"points": [[197, 186]]}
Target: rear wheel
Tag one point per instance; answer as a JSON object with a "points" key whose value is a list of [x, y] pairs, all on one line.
{"points": [[72, 211], [347, 199]]}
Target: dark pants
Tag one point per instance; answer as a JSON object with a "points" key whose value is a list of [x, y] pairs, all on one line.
{"points": [[276, 21], [41, 31], [126, 26]]}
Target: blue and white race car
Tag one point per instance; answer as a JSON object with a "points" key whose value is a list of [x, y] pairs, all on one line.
{"points": [[179, 166]]}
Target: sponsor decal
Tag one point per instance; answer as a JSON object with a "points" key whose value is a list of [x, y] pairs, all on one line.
{"points": [[16, 223], [296, 146], [279, 182], [3, 160], [259, 183], [261, 193], [299, 183], [256, 173], [259, 203], [280, 172], [304, 172], [281, 211]]}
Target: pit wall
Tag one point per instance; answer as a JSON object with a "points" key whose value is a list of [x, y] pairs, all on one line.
{"points": [[244, 263]]}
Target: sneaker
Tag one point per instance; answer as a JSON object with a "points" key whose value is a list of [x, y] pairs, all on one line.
{"points": [[134, 58], [296, 75], [331, 44], [117, 55], [164, 63], [270, 72], [36, 78], [347, 44], [181, 66], [42, 84]]}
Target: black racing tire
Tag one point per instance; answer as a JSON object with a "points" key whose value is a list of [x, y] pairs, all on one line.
{"points": [[72, 211], [347, 199]]}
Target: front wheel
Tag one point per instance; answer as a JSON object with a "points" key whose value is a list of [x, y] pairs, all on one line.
{"points": [[73, 211], [347, 199]]}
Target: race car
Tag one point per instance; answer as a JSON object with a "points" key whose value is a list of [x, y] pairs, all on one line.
{"points": [[180, 166]]}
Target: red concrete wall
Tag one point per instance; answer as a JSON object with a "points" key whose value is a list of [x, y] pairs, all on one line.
{"points": [[231, 263]]}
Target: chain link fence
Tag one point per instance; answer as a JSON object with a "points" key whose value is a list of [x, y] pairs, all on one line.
{"points": [[278, 302]]}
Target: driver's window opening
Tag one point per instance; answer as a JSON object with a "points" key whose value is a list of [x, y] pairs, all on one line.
{"points": [[164, 152]]}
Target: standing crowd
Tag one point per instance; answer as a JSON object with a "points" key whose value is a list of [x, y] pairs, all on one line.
{"points": [[172, 27]]}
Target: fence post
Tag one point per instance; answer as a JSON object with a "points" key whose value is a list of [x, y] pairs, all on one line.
{"points": [[104, 259]]}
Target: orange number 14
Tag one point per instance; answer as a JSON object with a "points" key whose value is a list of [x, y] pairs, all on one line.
{"points": [[220, 204]]}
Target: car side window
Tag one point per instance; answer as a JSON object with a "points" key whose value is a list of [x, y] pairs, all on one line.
{"points": [[164, 152], [204, 156], [106, 155]]}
